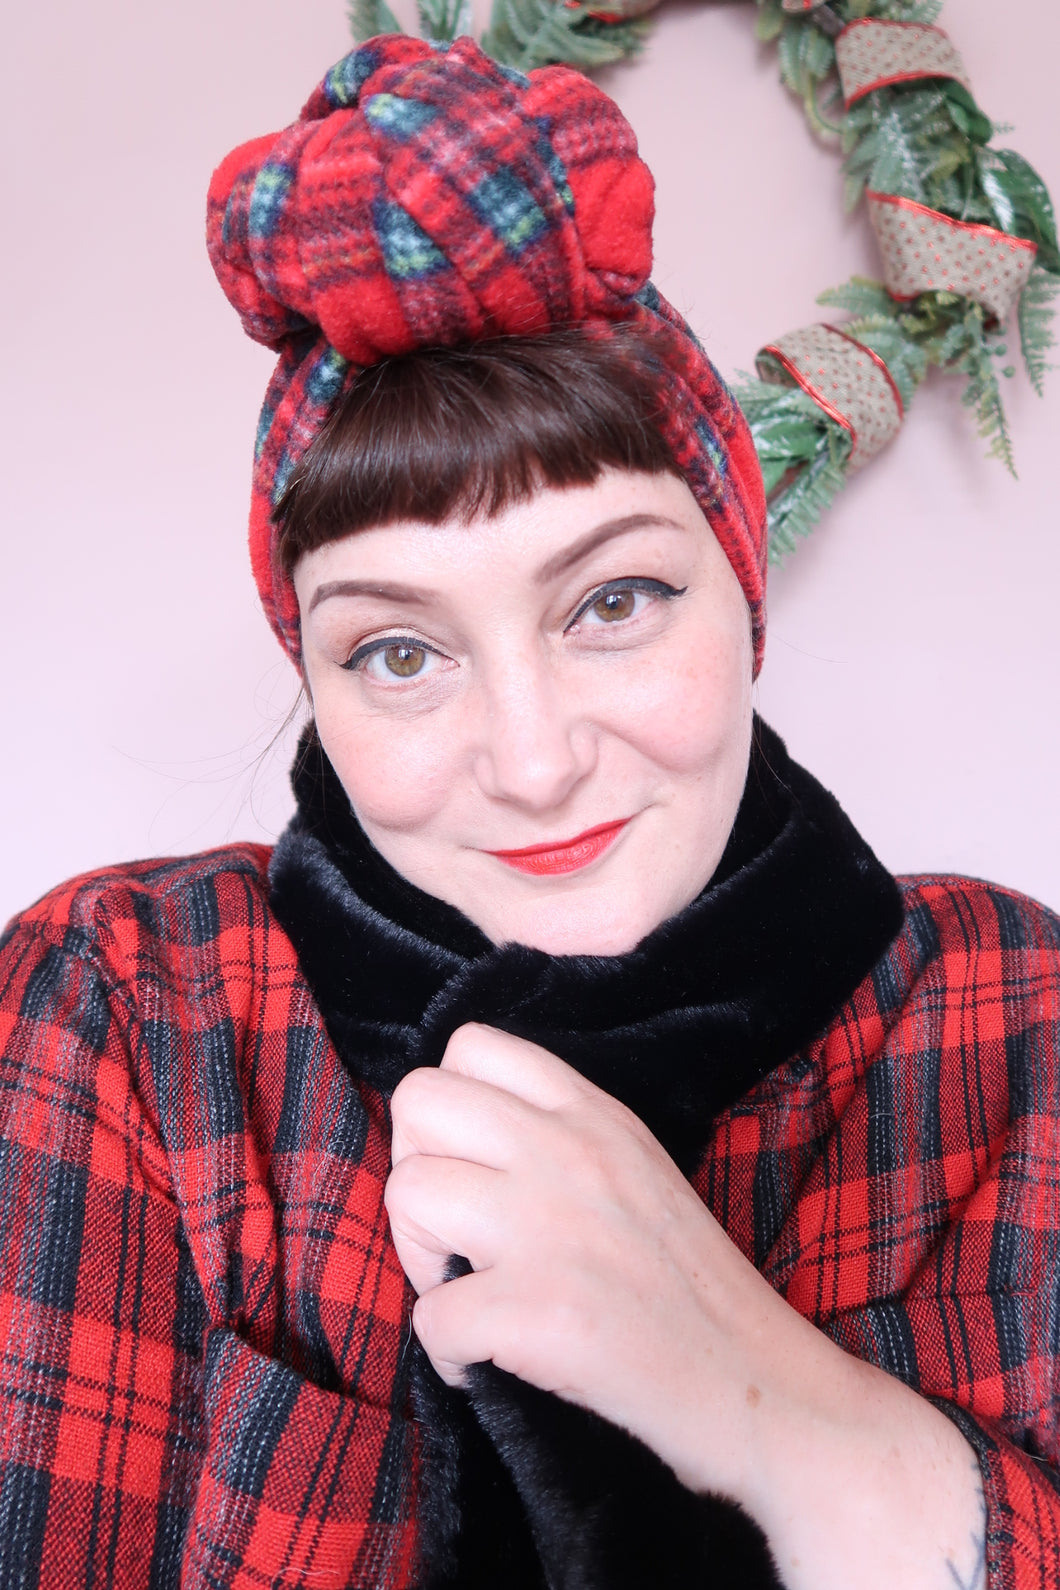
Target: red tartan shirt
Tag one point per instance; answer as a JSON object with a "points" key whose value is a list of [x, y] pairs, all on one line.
{"points": [[190, 1179]]}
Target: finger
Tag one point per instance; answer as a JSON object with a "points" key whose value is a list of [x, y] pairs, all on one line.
{"points": [[514, 1064], [438, 1207], [453, 1323], [452, 1116]]}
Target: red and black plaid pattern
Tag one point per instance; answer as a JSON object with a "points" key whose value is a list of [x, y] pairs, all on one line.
{"points": [[202, 1318], [430, 197]]}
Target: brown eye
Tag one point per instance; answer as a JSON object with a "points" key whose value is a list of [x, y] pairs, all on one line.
{"points": [[615, 605], [405, 661]]}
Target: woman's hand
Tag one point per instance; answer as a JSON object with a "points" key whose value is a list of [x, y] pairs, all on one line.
{"points": [[599, 1274]]}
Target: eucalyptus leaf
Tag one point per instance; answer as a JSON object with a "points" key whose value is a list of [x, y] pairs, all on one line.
{"points": [[789, 60], [1028, 197], [769, 21], [818, 54], [1004, 211], [965, 113]]}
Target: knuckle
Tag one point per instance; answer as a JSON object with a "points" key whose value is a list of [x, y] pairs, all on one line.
{"points": [[465, 1042], [411, 1093], [393, 1200], [425, 1317], [406, 1183]]}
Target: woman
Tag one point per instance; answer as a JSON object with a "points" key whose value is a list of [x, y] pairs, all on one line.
{"points": [[720, 1167]]}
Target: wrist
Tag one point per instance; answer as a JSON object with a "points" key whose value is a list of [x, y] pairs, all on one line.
{"points": [[807, 1422], [857, 1479], [737, 1429]]}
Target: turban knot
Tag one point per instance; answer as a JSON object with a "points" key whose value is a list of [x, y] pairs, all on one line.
{"points": [[430, 197], [427, 199]]}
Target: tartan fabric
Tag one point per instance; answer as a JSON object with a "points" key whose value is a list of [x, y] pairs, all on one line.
{"points": [[430, 197], [201, 1314]]}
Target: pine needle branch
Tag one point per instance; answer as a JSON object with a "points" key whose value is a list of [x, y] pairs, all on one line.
{"points": [[803, 453]]}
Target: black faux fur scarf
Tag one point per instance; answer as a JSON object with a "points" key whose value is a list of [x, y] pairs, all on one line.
{"points": [[522, 1490]]}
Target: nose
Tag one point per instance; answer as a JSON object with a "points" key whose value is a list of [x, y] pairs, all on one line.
{"points": [[535, 744]]}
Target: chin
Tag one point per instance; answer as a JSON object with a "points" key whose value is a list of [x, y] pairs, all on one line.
{"points": [[567, 925]]}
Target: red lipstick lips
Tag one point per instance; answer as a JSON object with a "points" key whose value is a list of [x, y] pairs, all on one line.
{"points": [[543, 860]]}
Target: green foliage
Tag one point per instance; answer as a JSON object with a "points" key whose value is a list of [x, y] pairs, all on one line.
{"points": [[927, 141], [927, 13], [770, 20], [803, 454], [529, 33], [1020, 201], [806, 50], [521, 33], [967, 349], [1036, 325], [370, 17], [859, 296], [807, 62], [443, 20], [919, 141]]}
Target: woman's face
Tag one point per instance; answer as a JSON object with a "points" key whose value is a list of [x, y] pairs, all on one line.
{"points": [[542, 717]]}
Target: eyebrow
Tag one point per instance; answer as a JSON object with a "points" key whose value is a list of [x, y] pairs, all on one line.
{"points": [[410, 595], [405, 594], [597, 537]]}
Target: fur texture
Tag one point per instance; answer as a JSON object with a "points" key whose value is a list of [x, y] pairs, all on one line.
{"points": [[520, 1488]]}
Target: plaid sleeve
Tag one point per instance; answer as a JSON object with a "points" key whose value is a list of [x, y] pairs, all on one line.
{"points": [[983, 1036], [899, 1184], [138, 1445], [99, 1312]]}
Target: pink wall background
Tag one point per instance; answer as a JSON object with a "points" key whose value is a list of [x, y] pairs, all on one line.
{"points": [[914, 654]]}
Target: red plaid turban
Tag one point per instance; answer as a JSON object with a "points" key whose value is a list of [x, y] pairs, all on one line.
{"points": [[428, 196]]}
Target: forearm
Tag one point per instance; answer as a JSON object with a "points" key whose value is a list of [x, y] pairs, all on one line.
{"points": [[869, 1485]]}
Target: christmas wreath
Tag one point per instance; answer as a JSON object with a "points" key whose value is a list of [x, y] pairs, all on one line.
{"points": [[966, 231]]}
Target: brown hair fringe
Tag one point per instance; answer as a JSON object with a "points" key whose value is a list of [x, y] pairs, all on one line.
{"points": [[450, 432]]}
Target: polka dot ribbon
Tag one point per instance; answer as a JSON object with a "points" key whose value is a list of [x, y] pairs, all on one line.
{"points": [[871, 54], [850, 382], [925, 251]]}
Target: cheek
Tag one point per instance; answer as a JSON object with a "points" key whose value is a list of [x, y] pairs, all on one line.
{"points": [[397, 776], [690, 707]]}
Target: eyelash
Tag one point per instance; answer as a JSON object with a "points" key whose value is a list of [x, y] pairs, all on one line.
{"points": [[364, 653], [613, 587], [370, 649]]}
